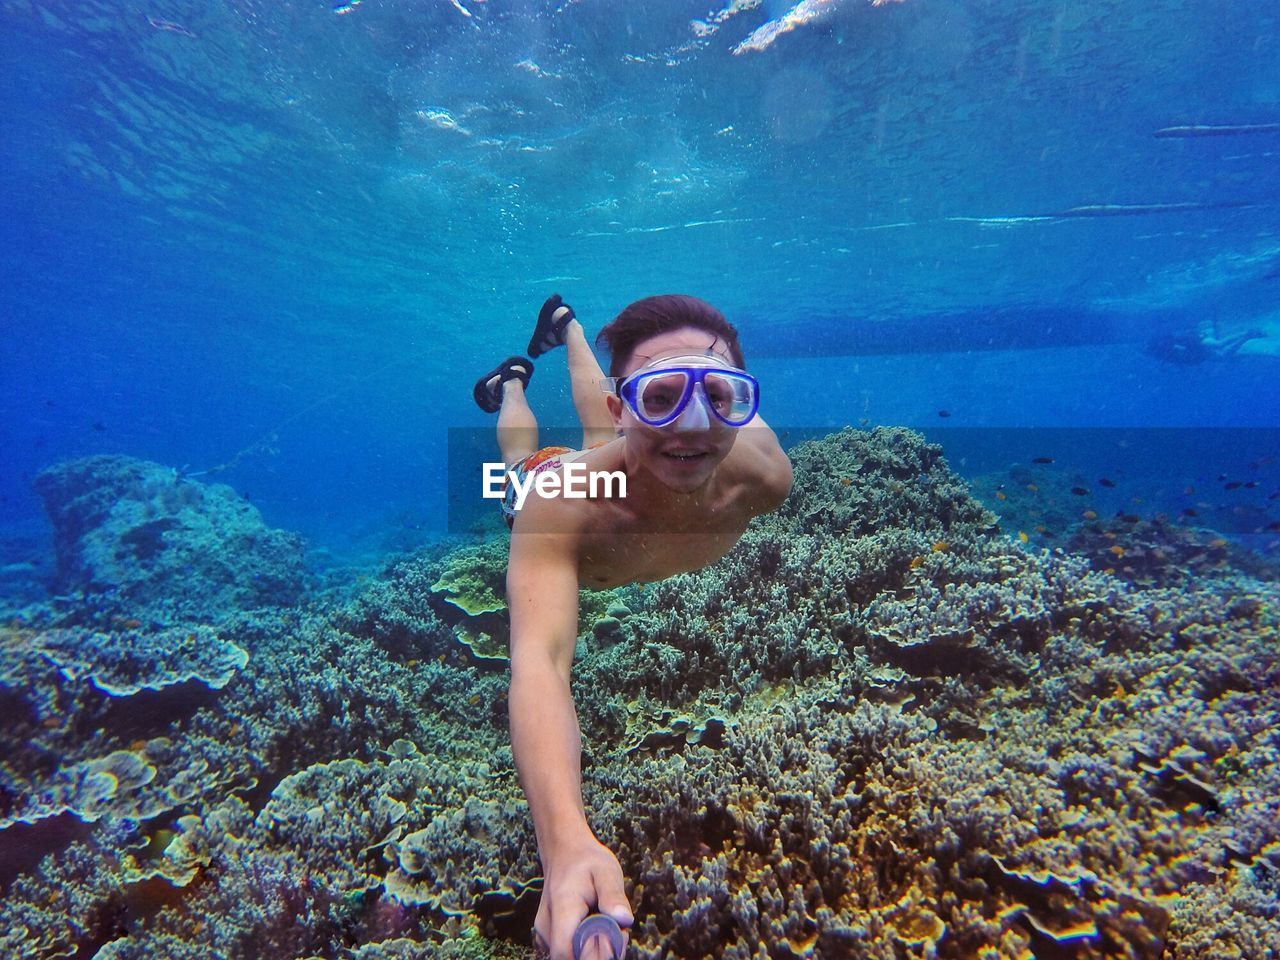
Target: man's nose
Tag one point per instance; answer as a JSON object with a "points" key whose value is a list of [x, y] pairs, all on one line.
{"points": [[695, 415]]}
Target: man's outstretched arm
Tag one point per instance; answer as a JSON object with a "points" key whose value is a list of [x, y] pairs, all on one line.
{"points": [[542, 591]]}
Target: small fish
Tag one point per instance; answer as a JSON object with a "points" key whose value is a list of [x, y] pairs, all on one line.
{"points": [[1218, 544], [1272, 527], [99, 426], [1000, 495], [1129, 517], [1042, 459], [1189, 513], [845, 482], [1104, 482], [1116, 549], [1022, 535], [1250, 484], [916, 563], [1274, 496], [1188, 490], [341, 8], [941, 546], [1080, 491], [1232, 485], [1032, 487], [1090, 515], [944, 413]]}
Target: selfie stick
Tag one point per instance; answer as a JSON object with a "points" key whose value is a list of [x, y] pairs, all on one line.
{"points": [[599, 925]]}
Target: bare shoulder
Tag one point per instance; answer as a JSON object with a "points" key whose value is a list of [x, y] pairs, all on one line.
{"points": [[553, 528], [551, 523], [761, 465], [607, 456]]}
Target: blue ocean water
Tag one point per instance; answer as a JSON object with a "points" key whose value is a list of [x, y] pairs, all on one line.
{"points": [[289, 236]]}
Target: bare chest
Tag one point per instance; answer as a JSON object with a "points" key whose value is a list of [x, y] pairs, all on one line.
{"points": [[611, 560]]}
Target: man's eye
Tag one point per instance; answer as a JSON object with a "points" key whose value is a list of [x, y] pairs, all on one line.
{"points": [[659, 400]]}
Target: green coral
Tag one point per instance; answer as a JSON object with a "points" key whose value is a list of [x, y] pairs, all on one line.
{"points": [[483, 646], [474, 579]]}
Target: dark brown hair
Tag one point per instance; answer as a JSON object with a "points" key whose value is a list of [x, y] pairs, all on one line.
{"points": [[654, 315]]}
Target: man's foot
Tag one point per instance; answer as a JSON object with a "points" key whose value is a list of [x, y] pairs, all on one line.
{"points": [[488, 391], [553, 319]]}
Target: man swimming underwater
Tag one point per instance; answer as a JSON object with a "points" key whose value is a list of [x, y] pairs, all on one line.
{"points": [[678, 418]]}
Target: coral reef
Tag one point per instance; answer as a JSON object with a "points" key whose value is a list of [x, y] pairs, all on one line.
{"points": [[25, 570], [1154, 552], [62, 689], [879, 728], [475, 579], [146, 543], [126, 662]]}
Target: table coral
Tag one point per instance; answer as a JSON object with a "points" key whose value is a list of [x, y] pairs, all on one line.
{"points": [[475, 579], [66, 687], [122, 663]]}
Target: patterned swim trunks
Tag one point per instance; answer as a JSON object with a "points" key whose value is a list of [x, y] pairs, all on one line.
{"points": [[548, 458]]}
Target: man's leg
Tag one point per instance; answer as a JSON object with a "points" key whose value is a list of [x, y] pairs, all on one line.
{"points": [[588, 399], [517, 426]]}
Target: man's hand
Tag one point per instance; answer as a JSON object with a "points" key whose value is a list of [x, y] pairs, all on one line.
{"points": [[580, 879]]}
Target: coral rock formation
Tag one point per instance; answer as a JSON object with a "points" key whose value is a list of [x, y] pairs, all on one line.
{"points": [[142, 540]]}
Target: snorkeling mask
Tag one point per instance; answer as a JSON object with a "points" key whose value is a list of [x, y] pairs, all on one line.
{"points": [[659, 395]]}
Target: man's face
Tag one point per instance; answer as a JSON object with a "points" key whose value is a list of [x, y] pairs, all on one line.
{"points": [[685, 453]]}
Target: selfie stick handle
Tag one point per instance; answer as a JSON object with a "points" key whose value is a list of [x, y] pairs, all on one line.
{"points": [[599, 925]]}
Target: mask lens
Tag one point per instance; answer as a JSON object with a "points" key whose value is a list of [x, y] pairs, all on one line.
{"points": [[732, 397], [658, 396]]}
